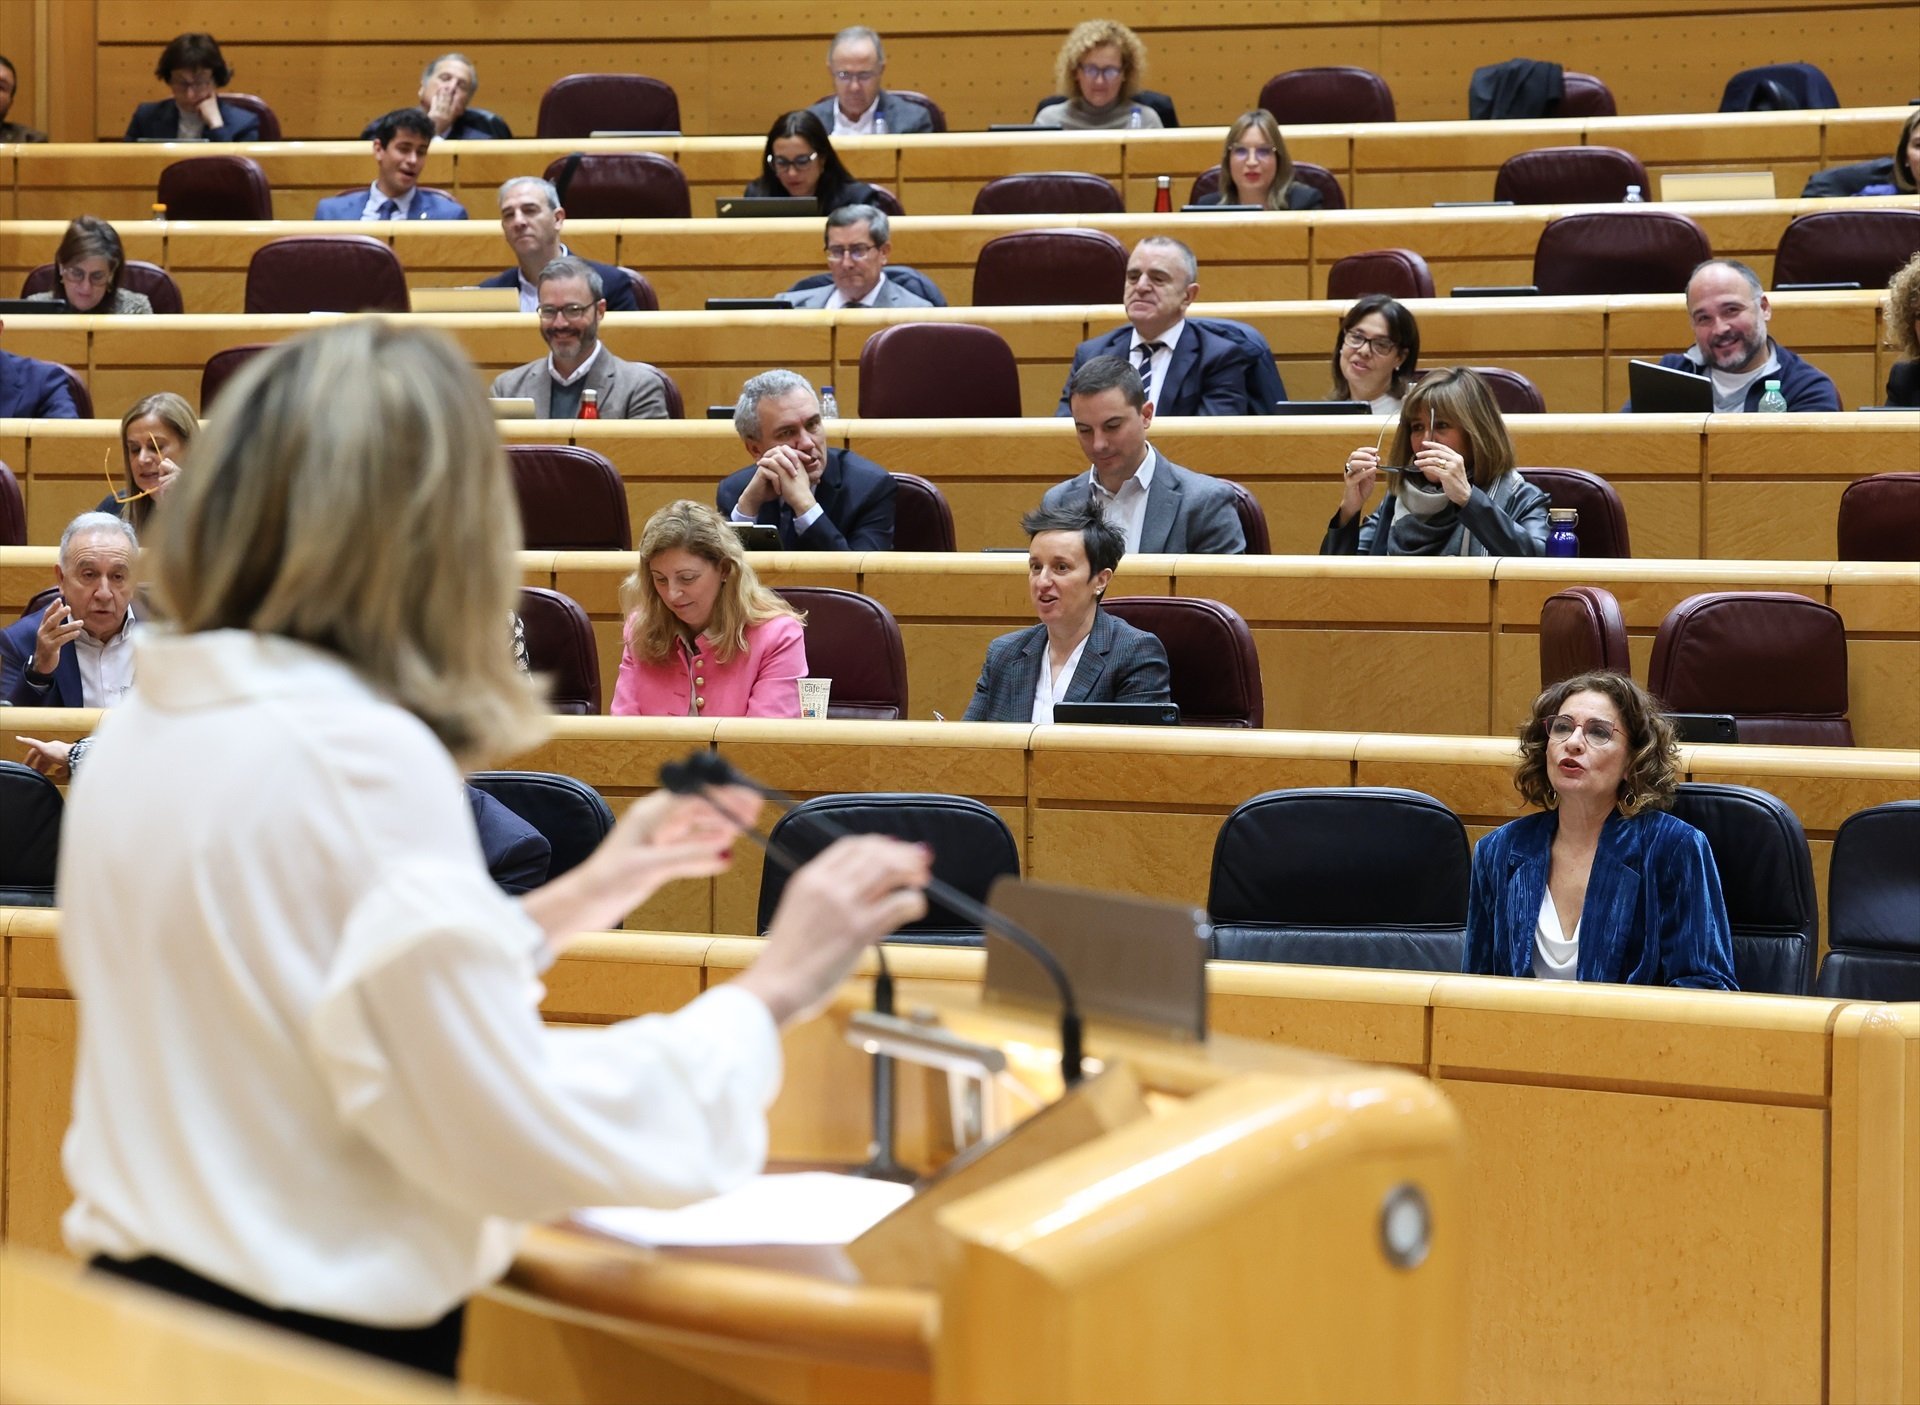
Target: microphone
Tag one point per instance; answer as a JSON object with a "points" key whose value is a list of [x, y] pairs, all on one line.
{"points": [[709, 768]]}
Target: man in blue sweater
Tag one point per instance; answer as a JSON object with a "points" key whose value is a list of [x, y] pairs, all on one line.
{"points": [[1731, 346]]}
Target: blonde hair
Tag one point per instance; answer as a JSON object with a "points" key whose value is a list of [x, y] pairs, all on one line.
{"points": [[742, 602], [352, 495], [1089, 35], [176, 414], [1282, 162], [1903, 308], [1458, 395]]}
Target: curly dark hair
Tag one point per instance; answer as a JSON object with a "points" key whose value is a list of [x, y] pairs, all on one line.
{"points": [[1653, 770]]}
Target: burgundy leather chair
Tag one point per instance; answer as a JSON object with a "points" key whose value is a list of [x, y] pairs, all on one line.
{"points": [[623, 185], [854, 640], [1880, 518], [137, 276], [82, 397], [1776, 661], [1305, 96], [326, 273], [1214, 668], [934, 370], [571, 499], [1512, 392], [1045, 267], [560, 645], [922, 101], [922, 517], [1253, 519], [886, 202], [670, 388], [1847, 246], [221, 367], [1602, 528], [13, 510], [1618, 251], [215, 188], [1584, 95], [1582, 631], [1399, 273], [584, 103], [644, 298], [1049, 193], [269, 119], [1570, 175], [1332, 197]]}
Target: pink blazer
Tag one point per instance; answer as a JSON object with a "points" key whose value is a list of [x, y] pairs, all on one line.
{"points": [[761, 681]]}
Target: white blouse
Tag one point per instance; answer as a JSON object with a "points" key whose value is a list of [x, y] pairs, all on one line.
{"points": [[1555, 958], [311, 1063]]}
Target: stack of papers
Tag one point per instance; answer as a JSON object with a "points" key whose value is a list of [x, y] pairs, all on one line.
{"points": [[807, 1207]]}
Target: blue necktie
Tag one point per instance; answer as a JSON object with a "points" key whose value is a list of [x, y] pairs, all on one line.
{"points": [[389, 208]]}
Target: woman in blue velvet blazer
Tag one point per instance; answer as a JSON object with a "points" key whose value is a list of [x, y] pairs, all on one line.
{"points": [[1602, 885]]}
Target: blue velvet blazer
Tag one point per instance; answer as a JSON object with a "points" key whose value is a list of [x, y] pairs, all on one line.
{"points": [[1654, 913]]}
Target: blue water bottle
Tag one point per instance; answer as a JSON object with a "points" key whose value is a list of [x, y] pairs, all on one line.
{"points": [[1562, 539]]}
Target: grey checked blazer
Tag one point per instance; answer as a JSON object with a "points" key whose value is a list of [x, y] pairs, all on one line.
{"points": [[629, 390], [1119, 664]]}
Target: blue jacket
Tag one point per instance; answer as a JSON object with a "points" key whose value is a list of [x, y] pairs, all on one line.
{"points": [[1806, 387], [856, 497], [1654, 913], [1209, 374], [427, 205], [161, 120], [518, 855], [1119, 664], [34, 390], [16, 655], [615, 286]]}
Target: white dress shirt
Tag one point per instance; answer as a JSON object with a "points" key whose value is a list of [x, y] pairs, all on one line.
{"points": [[106, 666], [529, 292], [311, 1063], [1162, 358], [376, 198], [1047, 691], [1555, 957], [865, 127], [1127, 509]]}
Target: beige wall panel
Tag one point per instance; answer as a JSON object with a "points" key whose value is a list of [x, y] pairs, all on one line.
{"points": [[40, 1035], [943, 660], [1663, 519], [1342, 590], [1328, 1010], [1357, 680], [1163, 855], [597, 979], [1756, 520], [1883, 691], [1871, 597]]}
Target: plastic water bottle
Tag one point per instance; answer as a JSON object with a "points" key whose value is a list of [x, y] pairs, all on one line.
{"points": [[1163, 195], [1133, 118], [829, 404], [1562, 540], [1633, 196], [879, 124], [1773, 402]]}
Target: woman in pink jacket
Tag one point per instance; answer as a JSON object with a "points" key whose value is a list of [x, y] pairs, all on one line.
{"points": [[704, 638]]}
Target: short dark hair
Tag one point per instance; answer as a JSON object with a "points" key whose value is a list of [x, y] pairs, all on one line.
{"points": [[403, 119], [7, 64], [1400, 326], [1108, 373], [1103, 539], [572, 266], [1653, 767], [192, 51]]}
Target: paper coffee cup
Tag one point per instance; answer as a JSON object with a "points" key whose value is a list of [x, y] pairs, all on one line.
{"points": [[813, 698]]}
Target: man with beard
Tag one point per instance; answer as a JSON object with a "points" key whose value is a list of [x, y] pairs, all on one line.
{"points": [[572, 302], [1731, 346]]}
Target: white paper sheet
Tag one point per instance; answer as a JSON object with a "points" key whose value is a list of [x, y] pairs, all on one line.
{"points": [[806, 1207]]}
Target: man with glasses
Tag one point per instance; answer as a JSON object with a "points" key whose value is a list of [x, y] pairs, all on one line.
{"points": [[78, 652], [531, 217], [400, 143], [860, 107], [572, 302], [858, 246]]}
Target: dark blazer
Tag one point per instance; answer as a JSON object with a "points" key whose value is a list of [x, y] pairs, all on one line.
{"points": [[475, 124], [1186, 511], [34, 390], [856, 498], [1862, 178], [902, 117], [518, 855], [16, 655], [614, 284], [1903, 384], [1119, 664], [1209, 374], [162, 120], [1654, 913], [427, 205]]}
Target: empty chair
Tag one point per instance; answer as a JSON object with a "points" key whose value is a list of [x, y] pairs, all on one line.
{"points": [[215, 188], [1398, 273], [571, 499], [13, 510], [922, 517], [853, 640], [269, 119], [584, 103], [1253, 522], [221, 368], [1618, 251], [1582, 631], [885, 201], [1846, 246], [1776, 661], [972, 846], [560, 645], [1512, 392], [924, 370], [1880, 518], [1332, 197], [1036, 267], [1778, 87], [1766, 875], [1569, 175], [1602, 528], [1297, 877], [1049, 193], [644, 297], [1213, 666], [1584, 95], [1873, 907], [30, 811], [569, 813], [136, 276], [623, 185], [326, 273], [1306, 96]]}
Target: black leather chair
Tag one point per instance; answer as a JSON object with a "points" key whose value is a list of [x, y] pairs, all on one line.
{"points": [[30, 810], [1766, 873], [1297, 877], [1873, 907], [569, 813], [854, 640], [971, 846]]}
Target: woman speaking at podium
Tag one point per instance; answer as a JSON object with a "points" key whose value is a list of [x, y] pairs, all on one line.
{"points": [[313, 1086]]}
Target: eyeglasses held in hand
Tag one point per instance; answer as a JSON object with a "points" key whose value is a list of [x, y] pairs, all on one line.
{"points": [[106, 469], [1599, 733], [1097, 73], [793, 163], [837, 252], [572, 311], [1382, 346]]}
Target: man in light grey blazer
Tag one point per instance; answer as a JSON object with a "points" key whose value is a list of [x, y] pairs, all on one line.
{"points": [[1158, 506], [859, 244], [572, 302], [859, 106]]}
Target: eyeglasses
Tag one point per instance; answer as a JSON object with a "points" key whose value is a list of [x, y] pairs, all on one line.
{"points": [[572, 311], [856, 252], [1249, 153], [1382, 346], [848, 75], [194, 83], [1598, 733], [1096, 73], [106, 470], [80, 278], [793, 163]]}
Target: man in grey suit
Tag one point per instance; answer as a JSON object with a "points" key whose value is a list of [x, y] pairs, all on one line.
{"points": [[859, 243], [572, 302], [860, 107], [1158, 506]]}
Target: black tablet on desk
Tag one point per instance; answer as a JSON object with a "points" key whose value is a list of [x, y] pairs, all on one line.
{"points": [[1661, 390], [1124, 714], [1322, 407], [749, 305], [742, 207]]}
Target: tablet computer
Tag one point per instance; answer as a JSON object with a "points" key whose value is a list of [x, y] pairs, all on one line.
{"points": [[749, 305], [1661, 390], [1125, 714], [1322, 407], [1501, 290], [741, 207]]}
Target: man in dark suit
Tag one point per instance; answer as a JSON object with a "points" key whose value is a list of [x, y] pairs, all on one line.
{"points": [[446, 87], [1188, 369], [860, 106], [821, 499], [400, 143], [518, 855], [41, 656], [34, 390], [531, 217], [1158, 506]]}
